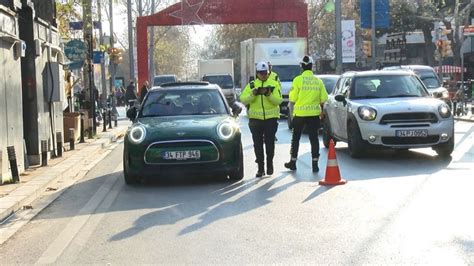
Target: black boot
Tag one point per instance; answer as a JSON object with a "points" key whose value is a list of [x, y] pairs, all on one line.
{"points": [[269, 168], [260, 171], [315, 165], [291, 164]]}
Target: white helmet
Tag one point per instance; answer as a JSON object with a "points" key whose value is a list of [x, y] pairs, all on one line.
{"points": [[262, 66], [306, 60]]}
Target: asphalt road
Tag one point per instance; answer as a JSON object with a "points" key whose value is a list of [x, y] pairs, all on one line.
{"points": [[397, 208]]}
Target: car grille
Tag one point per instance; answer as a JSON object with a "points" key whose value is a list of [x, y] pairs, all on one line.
{"points": [[396, 118], [207, 149], [410, 141]]}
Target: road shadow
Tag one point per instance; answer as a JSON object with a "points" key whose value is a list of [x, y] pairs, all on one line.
{"points": [[211, 202]]}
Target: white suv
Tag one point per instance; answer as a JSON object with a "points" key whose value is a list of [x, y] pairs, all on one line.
{"points": [[391, 109]]}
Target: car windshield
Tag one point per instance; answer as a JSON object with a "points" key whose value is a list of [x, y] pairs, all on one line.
{"points": [[429, 78], [183, 102], [157, 81], [388, 86], [285, 72], [329, 83], [224, 81]]}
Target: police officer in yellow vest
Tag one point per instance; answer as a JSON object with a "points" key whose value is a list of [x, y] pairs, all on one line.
{"points": [[273, 75], [263, 98], [307, 96]]}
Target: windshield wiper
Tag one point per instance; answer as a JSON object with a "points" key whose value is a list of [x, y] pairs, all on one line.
{"points": [[366, 97], [402, 95]]}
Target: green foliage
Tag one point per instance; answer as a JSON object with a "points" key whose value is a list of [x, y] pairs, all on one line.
{"points": [[171, 47], [67, 11]]}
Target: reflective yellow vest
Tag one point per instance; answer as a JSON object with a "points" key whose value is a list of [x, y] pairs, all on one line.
{"points": [[260, 106], [307, 93], [274, 76]]}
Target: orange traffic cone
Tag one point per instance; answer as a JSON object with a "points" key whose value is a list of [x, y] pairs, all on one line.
{"points": [[332, 177]]}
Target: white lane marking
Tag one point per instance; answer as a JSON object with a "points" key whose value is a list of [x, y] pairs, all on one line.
{"points": [[82, 238], [74, 226]]}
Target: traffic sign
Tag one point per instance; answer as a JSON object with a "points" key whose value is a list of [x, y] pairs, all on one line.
{"points": [[382, 14], [75, 51]]}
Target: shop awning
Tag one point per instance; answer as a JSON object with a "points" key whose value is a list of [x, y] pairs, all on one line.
{"points": [[449, 69]]}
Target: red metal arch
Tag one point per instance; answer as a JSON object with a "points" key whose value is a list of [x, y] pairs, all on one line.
{"points": [[190, 12]]}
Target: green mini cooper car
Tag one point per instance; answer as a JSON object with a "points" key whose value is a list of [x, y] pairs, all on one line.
{"points": [[183, 129]]}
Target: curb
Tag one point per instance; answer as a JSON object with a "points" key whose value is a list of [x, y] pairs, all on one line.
{"points": [[23, 196]]}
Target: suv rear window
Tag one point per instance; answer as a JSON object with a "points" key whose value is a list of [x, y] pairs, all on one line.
{"points": [[157, 81], [224, 81]]}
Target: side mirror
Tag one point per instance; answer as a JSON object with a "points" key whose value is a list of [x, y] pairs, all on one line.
{"points": [[236, 109], [341, 98], [132, 113]]}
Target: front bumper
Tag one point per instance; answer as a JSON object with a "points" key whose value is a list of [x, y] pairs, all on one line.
{"points": [[385, 134], [142, 165]]}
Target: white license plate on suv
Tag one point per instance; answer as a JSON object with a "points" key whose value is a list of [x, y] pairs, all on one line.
{"points": [[411, 133], [181, 155]]}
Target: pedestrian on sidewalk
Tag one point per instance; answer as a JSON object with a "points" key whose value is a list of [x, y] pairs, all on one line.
{"points": [[130, 93], [307, 96], [144, 91], [263, 98]]}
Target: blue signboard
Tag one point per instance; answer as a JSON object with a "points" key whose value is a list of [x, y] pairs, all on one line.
{"points": [[75, 65], [382, 13], [75, 51], [98, 57]]}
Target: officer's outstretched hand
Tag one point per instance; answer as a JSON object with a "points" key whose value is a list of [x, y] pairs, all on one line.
{"points": [[268, 93], [255, 91]]}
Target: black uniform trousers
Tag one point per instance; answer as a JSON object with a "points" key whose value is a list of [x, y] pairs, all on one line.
{"points": [[263, 131], [312, 124]]}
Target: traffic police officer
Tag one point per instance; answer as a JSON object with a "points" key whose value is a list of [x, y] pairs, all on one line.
{"points": [[263, 97], [307, 96]]}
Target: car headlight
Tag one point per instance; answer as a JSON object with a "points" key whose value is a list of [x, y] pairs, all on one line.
{"points": [[226, 130], [444, 111], [137, 134], [367, 113]]}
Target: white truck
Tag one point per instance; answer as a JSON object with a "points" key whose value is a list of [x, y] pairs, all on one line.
{"points": [[284, 54], [220, 72]]}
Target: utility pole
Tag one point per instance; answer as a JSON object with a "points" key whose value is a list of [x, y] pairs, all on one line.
{"points": [[89, 71], [338, 38], [130, 41], [151, 48], [111, 64], [102, 63], [374, 39]]}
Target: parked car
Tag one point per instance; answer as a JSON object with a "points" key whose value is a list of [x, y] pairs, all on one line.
{"points": [[431, 80], [182, 129], [391, 109], [162, 79], [329, 81]]}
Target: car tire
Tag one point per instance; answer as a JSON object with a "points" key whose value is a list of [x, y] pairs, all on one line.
{"points": [[354, 140], [129, 178], [445, 149], [326, 134], [238, 174]]}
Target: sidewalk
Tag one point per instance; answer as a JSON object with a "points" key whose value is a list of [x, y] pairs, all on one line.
{"points": [[469, 117], [72, 166]]}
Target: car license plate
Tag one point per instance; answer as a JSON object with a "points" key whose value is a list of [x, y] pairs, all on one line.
{"points": [[181, 155], [411, 133]]}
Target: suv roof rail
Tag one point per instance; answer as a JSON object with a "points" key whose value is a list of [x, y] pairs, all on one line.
{"points": [[172, 84]]}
